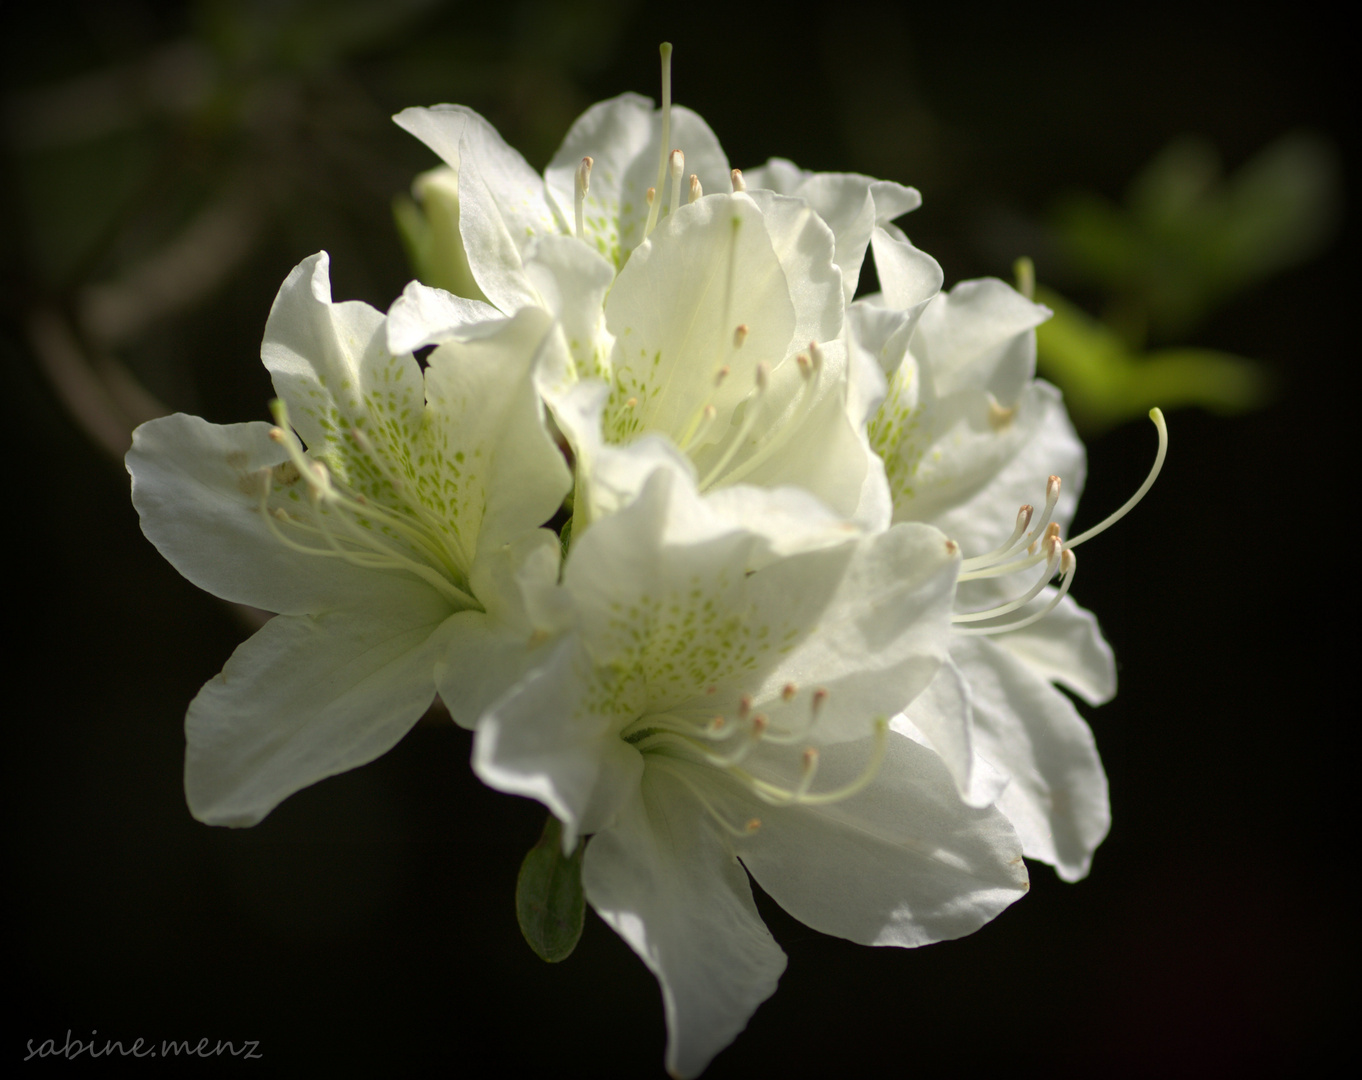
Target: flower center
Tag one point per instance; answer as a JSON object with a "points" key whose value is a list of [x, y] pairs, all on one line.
{"points": [[1023, 550], [336, 522], [726, 739]]}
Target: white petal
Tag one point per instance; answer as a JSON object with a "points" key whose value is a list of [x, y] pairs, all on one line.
{"points": [[882, 637], [943, 713], [309, 697], [548, 739], [663, 878], [502, 204], [623, 136], [976, 503], [1057, 797], [330, 362], [904, 862], [572, 281], [977, 336], [424, 316], [485, 439], [1067, 647], [674, 329], [909, 278], [195, 486]]}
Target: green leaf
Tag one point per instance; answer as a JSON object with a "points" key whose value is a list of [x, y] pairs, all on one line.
{"points": [[1105, 383], [548, 895]]}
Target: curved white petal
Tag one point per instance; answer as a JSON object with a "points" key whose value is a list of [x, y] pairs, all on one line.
{"points": [[1067, 647], [664, 879], [197, 489], [904, 862], [548, 738], [1057, 795], [881, 637], [572, 281], [424, 316], [331, 365], [673, 320], [850, 204], [308, 697], [623, 136], [502, 204], [484, 441]]}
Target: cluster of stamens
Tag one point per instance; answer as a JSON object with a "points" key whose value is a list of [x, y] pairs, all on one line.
{"points": [[345, 524], [725, 742], [1043, 544]]}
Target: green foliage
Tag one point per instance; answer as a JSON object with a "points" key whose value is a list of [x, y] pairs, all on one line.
{"points": [[548, 895], [1187, 240]]}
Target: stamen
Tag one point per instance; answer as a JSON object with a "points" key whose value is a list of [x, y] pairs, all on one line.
{"points": [[788, 692], [1054, 548], [1157, 416], [583, 186], [1068, 564], [676, 166], [776, 795], [749, 421], [739, 184], [810, 771], [740, 333], [754, 736], [696, 191], [1005, 549], [666, 50]]}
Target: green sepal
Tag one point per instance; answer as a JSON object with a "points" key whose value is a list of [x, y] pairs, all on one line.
{"points": [[548, 895]]}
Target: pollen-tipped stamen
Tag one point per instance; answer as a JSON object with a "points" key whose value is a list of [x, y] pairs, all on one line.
{"points": [[1155, 415], [653, 206], [583, 185]]}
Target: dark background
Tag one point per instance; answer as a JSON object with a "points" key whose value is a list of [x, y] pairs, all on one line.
{"points": [[368, 924]]}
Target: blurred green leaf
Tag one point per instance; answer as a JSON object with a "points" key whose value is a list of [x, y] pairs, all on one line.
{"points": [[1188, 239], [548, 895], [1106, 383]]}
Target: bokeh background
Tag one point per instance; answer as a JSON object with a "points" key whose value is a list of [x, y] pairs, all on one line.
{"points": [[165, 165]]}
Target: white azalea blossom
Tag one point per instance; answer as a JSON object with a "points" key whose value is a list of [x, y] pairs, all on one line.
{"points": [[365, 517], [701, 699], [968, 437], [793, 624], [717, 318]]}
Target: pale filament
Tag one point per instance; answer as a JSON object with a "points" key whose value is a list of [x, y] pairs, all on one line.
{"points": [[583, 186], [333, 505], [674, 738], [654, 205], [1056, 554]]}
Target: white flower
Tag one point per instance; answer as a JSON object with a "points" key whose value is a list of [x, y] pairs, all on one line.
{"points": [[393, 513], [715, 319], [714, 684], [969, 436]]}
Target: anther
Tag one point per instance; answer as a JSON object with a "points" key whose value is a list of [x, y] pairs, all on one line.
{"points": [[820, 697], [763, 375], [740, 333], [631, 403], [676, 165], [753, 824], [721, 375], [695, 189], [788, 691], [805, 365], [650, 196], [744, 706], [739, 184], [583, 186], [815, 356]]}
